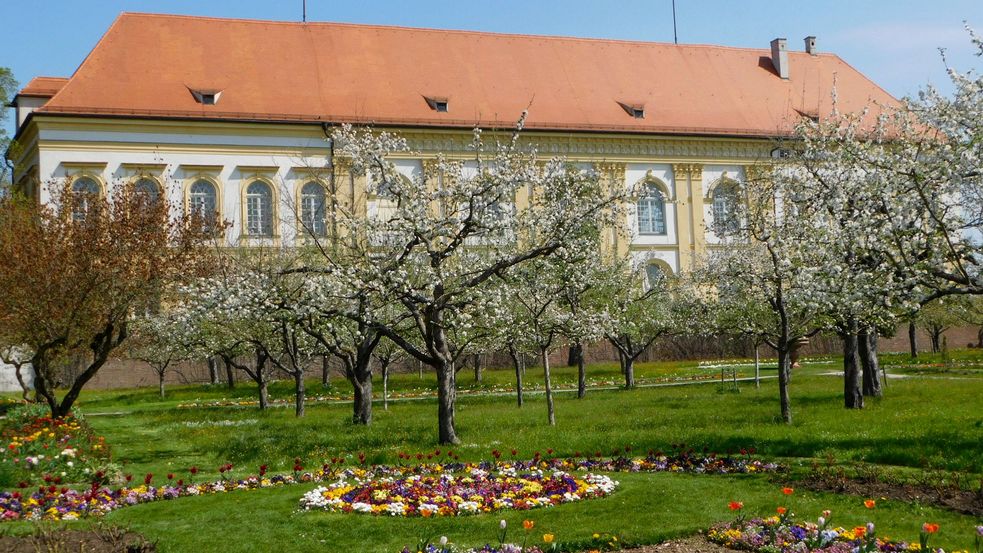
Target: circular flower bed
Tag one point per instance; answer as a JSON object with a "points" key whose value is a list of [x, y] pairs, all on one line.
{"points": [[446, 494]]}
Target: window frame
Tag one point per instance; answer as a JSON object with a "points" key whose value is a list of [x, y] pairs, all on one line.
{"points": [[158, 187], [244, 202], [303, 223], [100, 192], [662, 194], [190, 183], [725, 182]]}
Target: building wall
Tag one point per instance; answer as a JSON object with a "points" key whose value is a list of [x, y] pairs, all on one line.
{"points": [[232, 155]]}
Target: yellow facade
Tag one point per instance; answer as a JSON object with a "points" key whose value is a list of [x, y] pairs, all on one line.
{"points": [[56, 147]]}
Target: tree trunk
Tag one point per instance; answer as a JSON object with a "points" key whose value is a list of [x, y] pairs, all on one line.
{"points": [[25, 390], [300, 393], [362, 404], [936, 338], [102, 346], [912, 340], [41, 388], [852, 396], [979, 338], [757, 367], [264, 393], [446, 398], [868, 360], [385, 385], [325, 371], [574, 355], [549, 388], [784, 368], [212, 371], [517, 363], [476, 360], [581, 372], [629, 372], [230, 378], [160, 384]]}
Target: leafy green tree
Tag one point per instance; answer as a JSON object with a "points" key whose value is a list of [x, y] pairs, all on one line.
{"points": [[8, 87]]}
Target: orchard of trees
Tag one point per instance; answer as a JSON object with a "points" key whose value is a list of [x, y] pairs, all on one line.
{"points": [[864, 219]]}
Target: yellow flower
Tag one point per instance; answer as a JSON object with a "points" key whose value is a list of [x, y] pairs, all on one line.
{"points": [[547, 538]]}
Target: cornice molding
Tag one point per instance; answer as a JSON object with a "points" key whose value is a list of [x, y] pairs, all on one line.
{"points": [[594, 146]]}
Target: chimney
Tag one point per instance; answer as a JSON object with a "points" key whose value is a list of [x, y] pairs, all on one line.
{"points": [[811, 45], [779, 57]]}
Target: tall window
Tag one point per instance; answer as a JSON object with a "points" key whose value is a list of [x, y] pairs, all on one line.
{"points": [[203, 202], [725, 208], [652, 211], [259, 209], [85, 192], [312, 208], [147, 188]]}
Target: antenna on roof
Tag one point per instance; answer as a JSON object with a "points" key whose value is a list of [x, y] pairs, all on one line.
{"points": [[305, 10], [675, 37]]}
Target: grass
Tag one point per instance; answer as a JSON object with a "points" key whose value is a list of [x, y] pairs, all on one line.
{"points": [[920, 422]]}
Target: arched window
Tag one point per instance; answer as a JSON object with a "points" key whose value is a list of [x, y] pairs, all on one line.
{"points": [[652, 211], [312, 208], [148, 188], [85, 192], [203, 202], [654, 275], [725, 219], [259, 209]]}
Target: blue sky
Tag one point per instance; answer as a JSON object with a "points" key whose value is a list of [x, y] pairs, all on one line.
{"points": [[894, 42]]}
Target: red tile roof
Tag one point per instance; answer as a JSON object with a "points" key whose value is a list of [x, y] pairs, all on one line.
{"points": [[147, 65], [44, 87]]}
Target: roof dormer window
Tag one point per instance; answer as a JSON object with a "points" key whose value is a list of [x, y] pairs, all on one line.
{"points": [[206, 97], [437, 104], [635, 110]]}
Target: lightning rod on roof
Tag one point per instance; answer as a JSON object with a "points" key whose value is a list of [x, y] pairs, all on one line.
{"points": [[675, 37]]}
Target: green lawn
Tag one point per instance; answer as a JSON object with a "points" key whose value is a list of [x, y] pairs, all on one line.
{"points": [[935, 422]]}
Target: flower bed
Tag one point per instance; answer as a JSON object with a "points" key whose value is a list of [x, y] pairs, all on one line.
{"points": [[444, 494], [54, 450], [60, 503], [781, 534]]}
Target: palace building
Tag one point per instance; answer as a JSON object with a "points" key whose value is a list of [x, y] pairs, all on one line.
{"points": [[231, 116]]}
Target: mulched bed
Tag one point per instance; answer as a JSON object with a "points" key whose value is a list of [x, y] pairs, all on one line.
{"points": [[693, 544], [958, 500], [102, 540]]}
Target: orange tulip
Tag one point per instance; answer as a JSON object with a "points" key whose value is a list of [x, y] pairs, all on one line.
{"points": [[930, 528], [735, 505], [781, 510], [787, 491], [870, 503], [528, 524], [859, 531]]}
